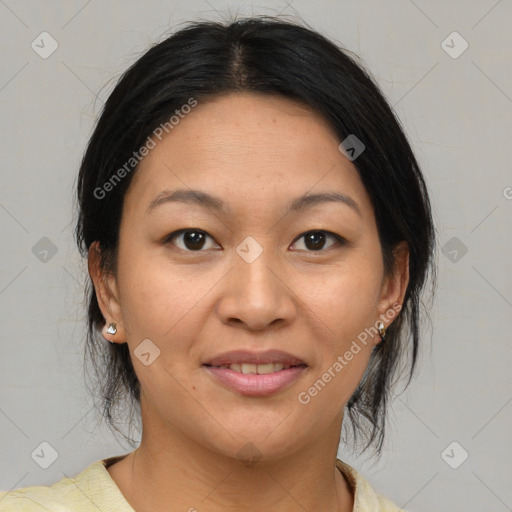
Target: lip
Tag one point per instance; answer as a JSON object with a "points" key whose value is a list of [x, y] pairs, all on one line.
{"points": [[244, 356], [255, 384]]}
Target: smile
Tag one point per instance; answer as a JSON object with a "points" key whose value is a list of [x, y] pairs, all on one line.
{"points": [[254, 380], [253, 369]]}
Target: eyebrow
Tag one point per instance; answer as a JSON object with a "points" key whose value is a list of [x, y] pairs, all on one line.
{"points": [[211, 202]]}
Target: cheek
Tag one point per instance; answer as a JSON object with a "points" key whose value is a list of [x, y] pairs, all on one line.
{"points": [[347, 299], [346, 306], [159, 298], [344, 349], [149, 293]]}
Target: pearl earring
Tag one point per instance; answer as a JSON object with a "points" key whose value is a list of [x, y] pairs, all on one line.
{"points": [[112, 329]]}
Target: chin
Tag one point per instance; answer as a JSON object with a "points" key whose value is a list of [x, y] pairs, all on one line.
{"points": [[250, 442]]}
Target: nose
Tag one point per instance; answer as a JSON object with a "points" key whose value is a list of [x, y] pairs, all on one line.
{"points": [[257, 295]]}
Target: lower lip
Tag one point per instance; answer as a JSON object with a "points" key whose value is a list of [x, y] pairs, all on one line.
{"points": [[255, 384]]}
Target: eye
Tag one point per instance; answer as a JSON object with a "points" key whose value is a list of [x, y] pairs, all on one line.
{"points": [[315, 240], [191, 239]]}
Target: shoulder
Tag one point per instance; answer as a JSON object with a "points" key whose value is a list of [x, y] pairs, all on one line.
{"points": [[91, 489], [365, 498]]}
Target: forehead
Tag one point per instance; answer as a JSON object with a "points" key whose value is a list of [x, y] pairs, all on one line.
{"points": [[251, 148]]}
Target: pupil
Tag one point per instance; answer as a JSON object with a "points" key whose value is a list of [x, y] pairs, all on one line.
{"points": [[315, 240], [194, 239]]}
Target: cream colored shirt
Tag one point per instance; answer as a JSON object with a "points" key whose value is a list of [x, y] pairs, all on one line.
{"points": [[94, 490]]}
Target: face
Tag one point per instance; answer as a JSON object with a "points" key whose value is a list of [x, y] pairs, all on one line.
{"points": [[219, 295]]}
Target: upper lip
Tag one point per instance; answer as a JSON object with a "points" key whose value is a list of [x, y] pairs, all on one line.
{"points": [[246, 357]]}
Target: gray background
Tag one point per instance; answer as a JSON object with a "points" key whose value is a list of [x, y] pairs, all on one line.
{"points": [[457, 114]]}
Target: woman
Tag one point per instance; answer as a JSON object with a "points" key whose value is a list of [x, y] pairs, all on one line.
{"points": [[258, 236]]}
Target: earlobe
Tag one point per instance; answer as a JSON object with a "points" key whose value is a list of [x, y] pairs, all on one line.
{"points": [[107, 296]]}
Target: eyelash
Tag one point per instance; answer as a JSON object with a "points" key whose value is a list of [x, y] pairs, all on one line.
{"points": [[340, 240]]}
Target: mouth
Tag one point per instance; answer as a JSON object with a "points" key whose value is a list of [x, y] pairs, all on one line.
{"points": [[256, 369], [250, 359], [255, 374]]}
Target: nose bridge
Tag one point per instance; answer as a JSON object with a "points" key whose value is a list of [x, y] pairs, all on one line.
{"points": [[254, 264], [256, 294], [259, 275]]}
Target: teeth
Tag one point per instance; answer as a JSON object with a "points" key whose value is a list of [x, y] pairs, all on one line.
{"points": [[260, 369], [249, 368]]}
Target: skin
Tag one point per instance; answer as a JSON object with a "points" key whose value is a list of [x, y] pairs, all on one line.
{"points": [[257, 153]]}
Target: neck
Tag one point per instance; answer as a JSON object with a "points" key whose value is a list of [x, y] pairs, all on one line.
{"points": [[178, 474]]}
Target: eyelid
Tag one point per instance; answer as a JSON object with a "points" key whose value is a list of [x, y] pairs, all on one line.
{"points": [[339, 239], [179, 232]]}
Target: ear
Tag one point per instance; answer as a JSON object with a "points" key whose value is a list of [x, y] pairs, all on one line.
{"points": [[107, 295], [394, 285]]}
